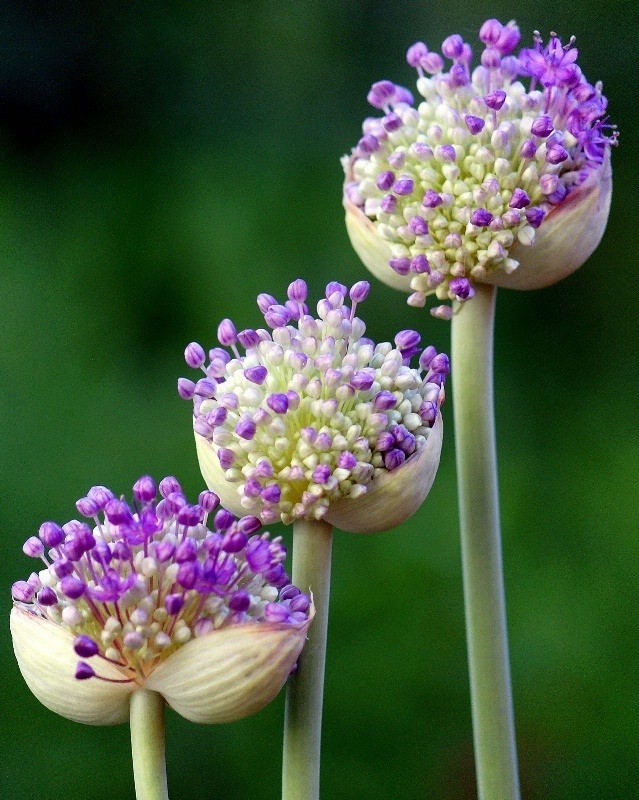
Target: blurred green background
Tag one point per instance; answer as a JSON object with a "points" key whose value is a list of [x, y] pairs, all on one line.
{"points": [[162, 163]]}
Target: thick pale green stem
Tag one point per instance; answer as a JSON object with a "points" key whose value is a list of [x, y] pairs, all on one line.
{"points": [[312, 543], [147, 745], [491, 696]]}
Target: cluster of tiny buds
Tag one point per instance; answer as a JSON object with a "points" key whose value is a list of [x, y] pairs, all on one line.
{"points": [[312, 411], [142, 580], [453, 183]]}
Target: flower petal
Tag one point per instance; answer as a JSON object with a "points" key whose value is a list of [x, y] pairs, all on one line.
{"points": [[47, 662], [393, 496], [566, 238], [229, 673]]}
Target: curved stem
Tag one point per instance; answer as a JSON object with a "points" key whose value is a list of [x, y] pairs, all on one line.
{"points": [[312, 541], [147, 745], [491, 695]]}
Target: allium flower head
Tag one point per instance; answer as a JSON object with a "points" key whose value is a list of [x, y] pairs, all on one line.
{"points": [[313, 420], [182, 599], [494, 159]]}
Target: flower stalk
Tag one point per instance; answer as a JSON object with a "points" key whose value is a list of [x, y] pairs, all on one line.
{"points": [[312, 543], [147, 745], [491, 694]]}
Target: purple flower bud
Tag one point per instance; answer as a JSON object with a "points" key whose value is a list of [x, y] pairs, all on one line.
{"points": [[245, 428], [248, 525], [418, 226], [144, 489], [474, 124], [248, 338], [490, 31], [33, 547], [336, 287], [461, 288], [22, 591], [384, 401], [190, 515], [388, 204], [186, 388], [528, 149], [169, 485], [85, 647], [208, 501], [83, 671], [535, 216], [321, 473], [519, 199], [51, 534], [118, 512], [233, 542], [400, 265], [271, 494], [239, 601], [446, 152], [440, 364], [542, 126], [508, 39], [265, 301], [173, 603], [385, 180], [407, 340], [481, 217], [226, 457], [496, 99], [556, 154], [204, 388], [491, 58], [256, 374], [47, 597], [419, 264], [194, 355], [392, 122], [363, 379], [431, 199], [87, 507], [433, 63], [385, 441], [453, 46], [368, 144], [404, 186], [277, 316], [381, 94], [226, 333], [416, 53], [72, 587], [187, 574], [298, 291], [100, 495], [223, 519], [427, 356], [394, 458], [359, 291]]}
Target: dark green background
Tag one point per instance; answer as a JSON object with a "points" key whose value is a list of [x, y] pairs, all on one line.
{"points": [[161, 164]]}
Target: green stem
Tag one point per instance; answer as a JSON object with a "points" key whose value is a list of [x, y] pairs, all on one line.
{"points": [[303, 719], [147, 745], [491, 695]]}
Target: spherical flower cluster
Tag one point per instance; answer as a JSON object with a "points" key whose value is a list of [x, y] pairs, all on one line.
{"points": [[314, 417], [164, 595], [454, 190]]}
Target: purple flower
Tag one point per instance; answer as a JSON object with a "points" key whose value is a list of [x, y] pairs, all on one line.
{"points": [[186, 578]]}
